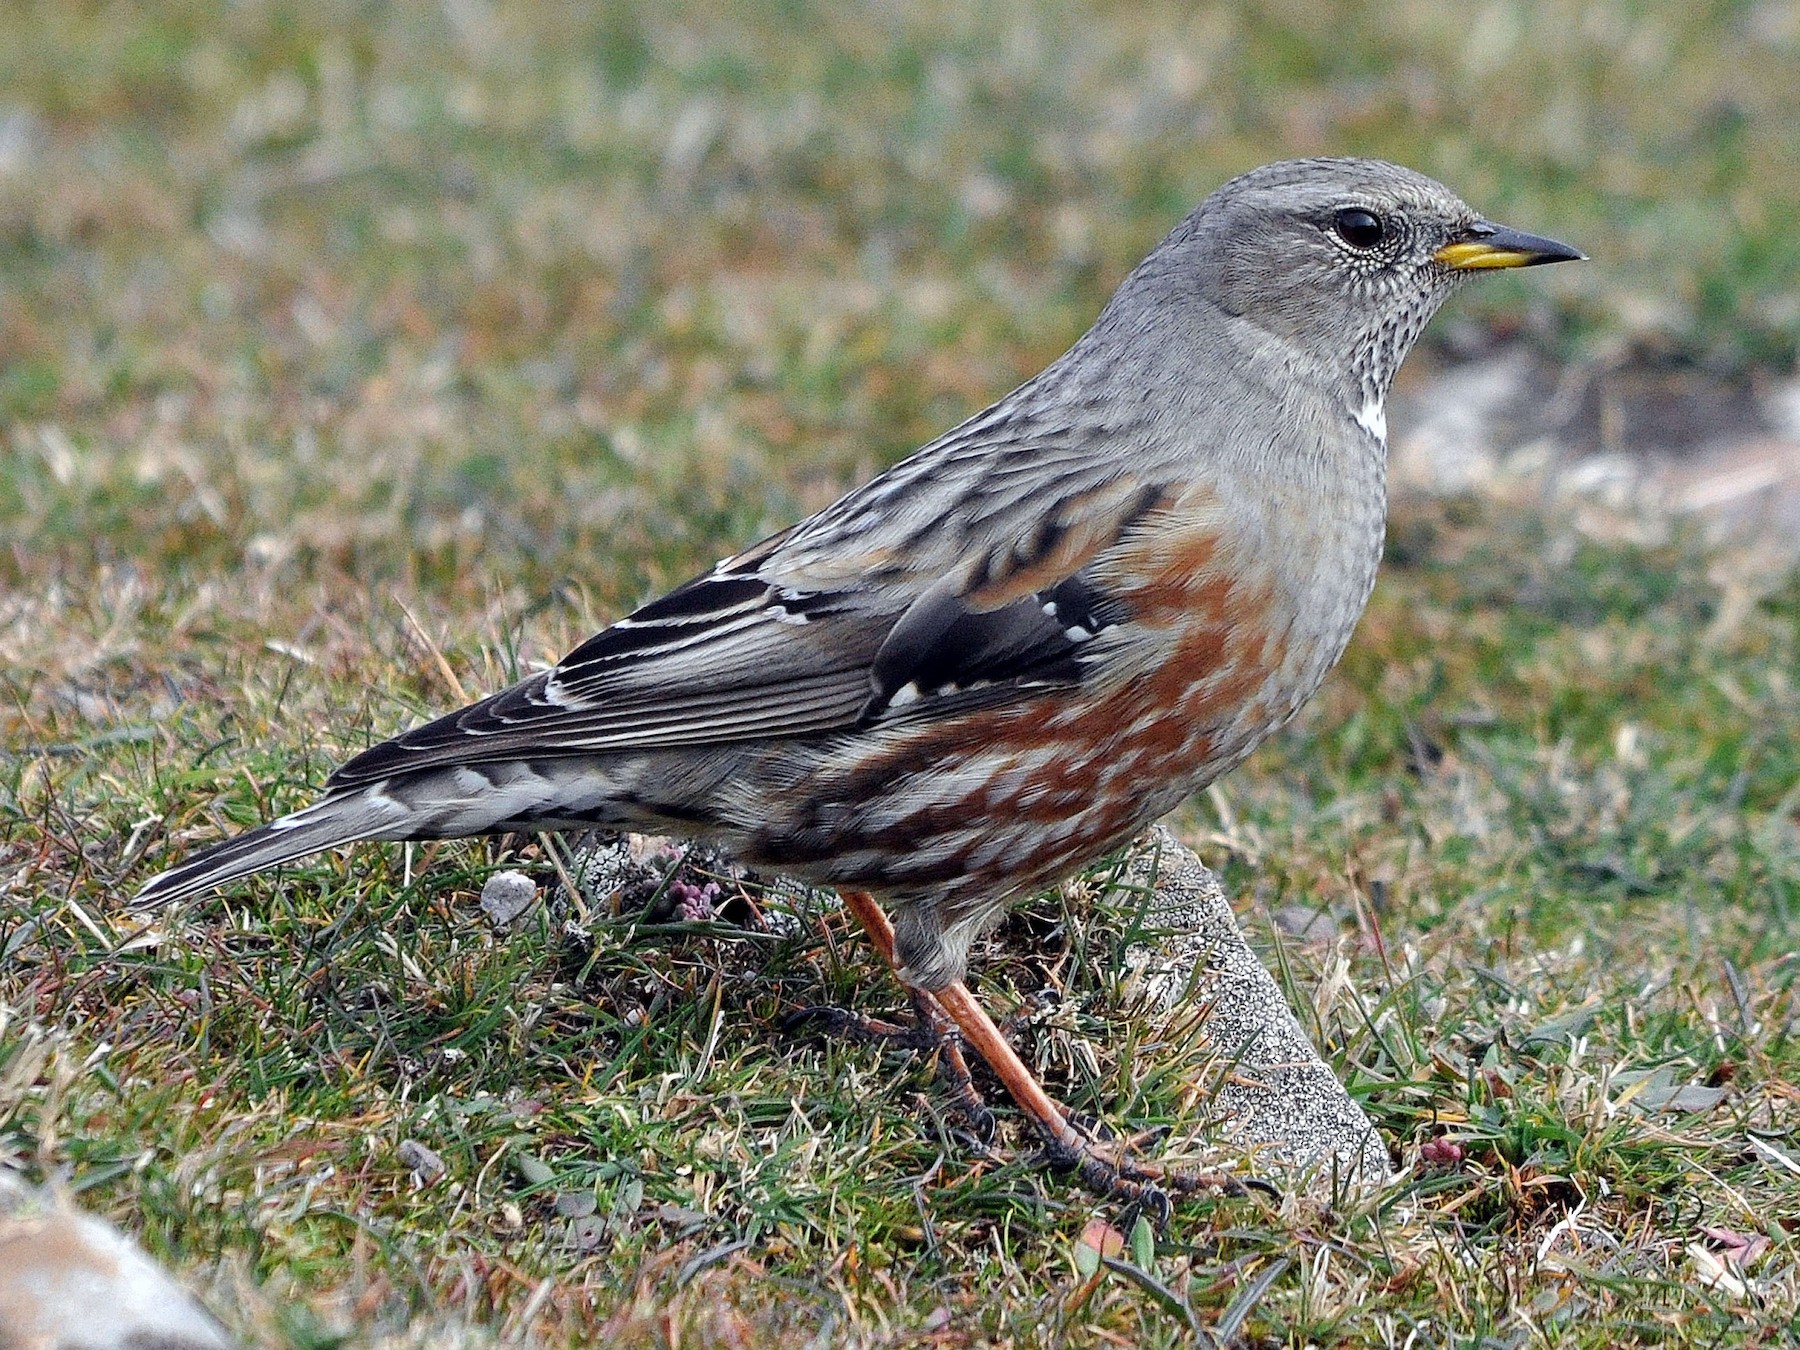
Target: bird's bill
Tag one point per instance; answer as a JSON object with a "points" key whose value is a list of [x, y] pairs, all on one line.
{"points": [[1485, 245]]}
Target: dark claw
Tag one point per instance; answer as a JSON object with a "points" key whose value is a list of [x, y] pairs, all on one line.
{"points": [[1154, 1204], [986, 1127], [953, 1073], [979, 1124], [977, 1140]]}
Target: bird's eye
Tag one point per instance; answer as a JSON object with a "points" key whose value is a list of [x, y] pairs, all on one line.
{"points": [[1359, 229]]}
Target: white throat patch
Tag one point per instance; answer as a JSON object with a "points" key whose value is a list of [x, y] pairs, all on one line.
{"points": [[1372, 418]]}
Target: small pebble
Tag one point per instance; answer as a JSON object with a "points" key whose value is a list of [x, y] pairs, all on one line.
{"points": [[506, 896], [419, 1160]]}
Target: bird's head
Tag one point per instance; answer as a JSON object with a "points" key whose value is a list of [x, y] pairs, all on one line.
{"points": [[1345, 259]]}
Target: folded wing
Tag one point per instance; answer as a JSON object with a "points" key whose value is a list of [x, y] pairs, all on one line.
{"points": [[815, 632]]}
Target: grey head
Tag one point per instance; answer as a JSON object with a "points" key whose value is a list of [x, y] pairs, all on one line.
{"points": [[1344, 260]]}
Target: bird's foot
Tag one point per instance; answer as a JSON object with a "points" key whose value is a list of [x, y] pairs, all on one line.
{"points": [[932, 1032], [1105, 1166], [845, 1024]]}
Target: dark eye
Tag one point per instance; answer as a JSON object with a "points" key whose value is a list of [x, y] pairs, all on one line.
{"points": [[1359, 229]]}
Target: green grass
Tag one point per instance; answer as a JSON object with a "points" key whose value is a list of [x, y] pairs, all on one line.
{"points": [[353, 357]]}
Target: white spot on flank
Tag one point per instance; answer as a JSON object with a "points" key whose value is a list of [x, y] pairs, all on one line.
{"points": [[1372, 418], [905, 694]]}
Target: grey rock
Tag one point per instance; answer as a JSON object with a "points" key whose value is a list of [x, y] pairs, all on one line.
{"points": [[71, 1281], [1280, 1102]]}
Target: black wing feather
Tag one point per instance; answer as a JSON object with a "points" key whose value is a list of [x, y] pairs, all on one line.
{"points": [[941, 646], [731, 657]]}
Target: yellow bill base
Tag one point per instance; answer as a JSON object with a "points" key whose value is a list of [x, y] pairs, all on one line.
{"points": [[1472, 257]]}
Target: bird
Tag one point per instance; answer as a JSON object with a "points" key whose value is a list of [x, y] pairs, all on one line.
{"points": [[1014, 650]]}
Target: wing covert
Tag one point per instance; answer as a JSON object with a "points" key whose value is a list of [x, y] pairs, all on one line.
{"points": [[966, 571]]}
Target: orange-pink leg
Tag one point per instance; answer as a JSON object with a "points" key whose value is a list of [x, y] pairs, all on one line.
{"points": [[1108, 1173]]}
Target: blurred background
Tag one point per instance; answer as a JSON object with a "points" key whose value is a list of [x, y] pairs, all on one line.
{"points": [[380, 286], [354, 355]]}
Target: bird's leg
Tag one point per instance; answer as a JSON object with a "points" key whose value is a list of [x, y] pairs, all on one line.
{"points": [[934, 1030], [953, 1067], [1106, 1170], [875, 922]]}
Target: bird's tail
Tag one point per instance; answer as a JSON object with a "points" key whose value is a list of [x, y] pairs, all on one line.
{"points": [[366, 813], [440, 802]]}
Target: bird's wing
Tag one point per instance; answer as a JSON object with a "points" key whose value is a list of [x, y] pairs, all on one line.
{"points": [[857, 615]]}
